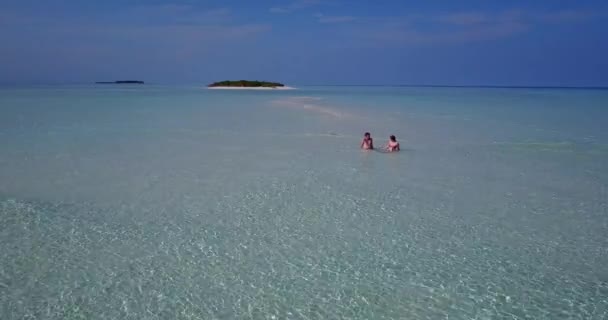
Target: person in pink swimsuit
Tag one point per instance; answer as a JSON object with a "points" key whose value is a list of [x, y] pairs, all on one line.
{"points": [[393, 145]]}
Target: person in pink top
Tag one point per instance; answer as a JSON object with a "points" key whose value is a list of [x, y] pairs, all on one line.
{"points": [[393, 145]]}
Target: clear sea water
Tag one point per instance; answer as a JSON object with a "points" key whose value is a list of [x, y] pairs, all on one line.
{"points": [[157, 202]]}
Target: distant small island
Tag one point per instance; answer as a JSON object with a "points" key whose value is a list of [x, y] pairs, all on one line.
{"points": [[120, 82], [246, 84]]}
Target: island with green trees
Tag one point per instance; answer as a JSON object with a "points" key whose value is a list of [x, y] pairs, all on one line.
{"points": [[121, 82], [246, 84]]}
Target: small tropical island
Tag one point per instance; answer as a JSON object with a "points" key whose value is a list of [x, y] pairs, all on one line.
{"points": [[121, 82], [247, 84]]}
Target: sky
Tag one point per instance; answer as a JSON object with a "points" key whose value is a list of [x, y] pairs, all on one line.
{"points": [[306, 42]]}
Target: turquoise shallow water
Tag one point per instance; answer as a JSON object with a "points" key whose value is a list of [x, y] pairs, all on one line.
{"points": [[153, 202]]}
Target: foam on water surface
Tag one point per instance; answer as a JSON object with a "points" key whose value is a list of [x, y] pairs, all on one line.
{"points": [[193, 204]]}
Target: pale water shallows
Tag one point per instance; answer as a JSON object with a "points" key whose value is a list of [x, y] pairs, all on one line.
{"points": [[150, 202]]}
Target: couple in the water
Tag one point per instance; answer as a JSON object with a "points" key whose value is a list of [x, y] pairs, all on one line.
{"points": [[368, 143]]}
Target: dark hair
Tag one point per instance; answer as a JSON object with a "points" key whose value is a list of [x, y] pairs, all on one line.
{"points": [[393, 138], [367, 134]]}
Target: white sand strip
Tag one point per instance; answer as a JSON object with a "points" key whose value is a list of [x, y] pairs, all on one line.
{"points": [[307, 103]]}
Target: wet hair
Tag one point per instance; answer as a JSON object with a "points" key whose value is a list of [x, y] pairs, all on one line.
{"points": [[367, 134], [393, 138]]}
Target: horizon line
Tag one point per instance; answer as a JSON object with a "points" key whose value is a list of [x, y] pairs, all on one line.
{"points": [[491, 86], [463, 86]]}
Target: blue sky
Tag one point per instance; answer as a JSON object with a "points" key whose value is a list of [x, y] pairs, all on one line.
{"points": [[541, 42]]}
